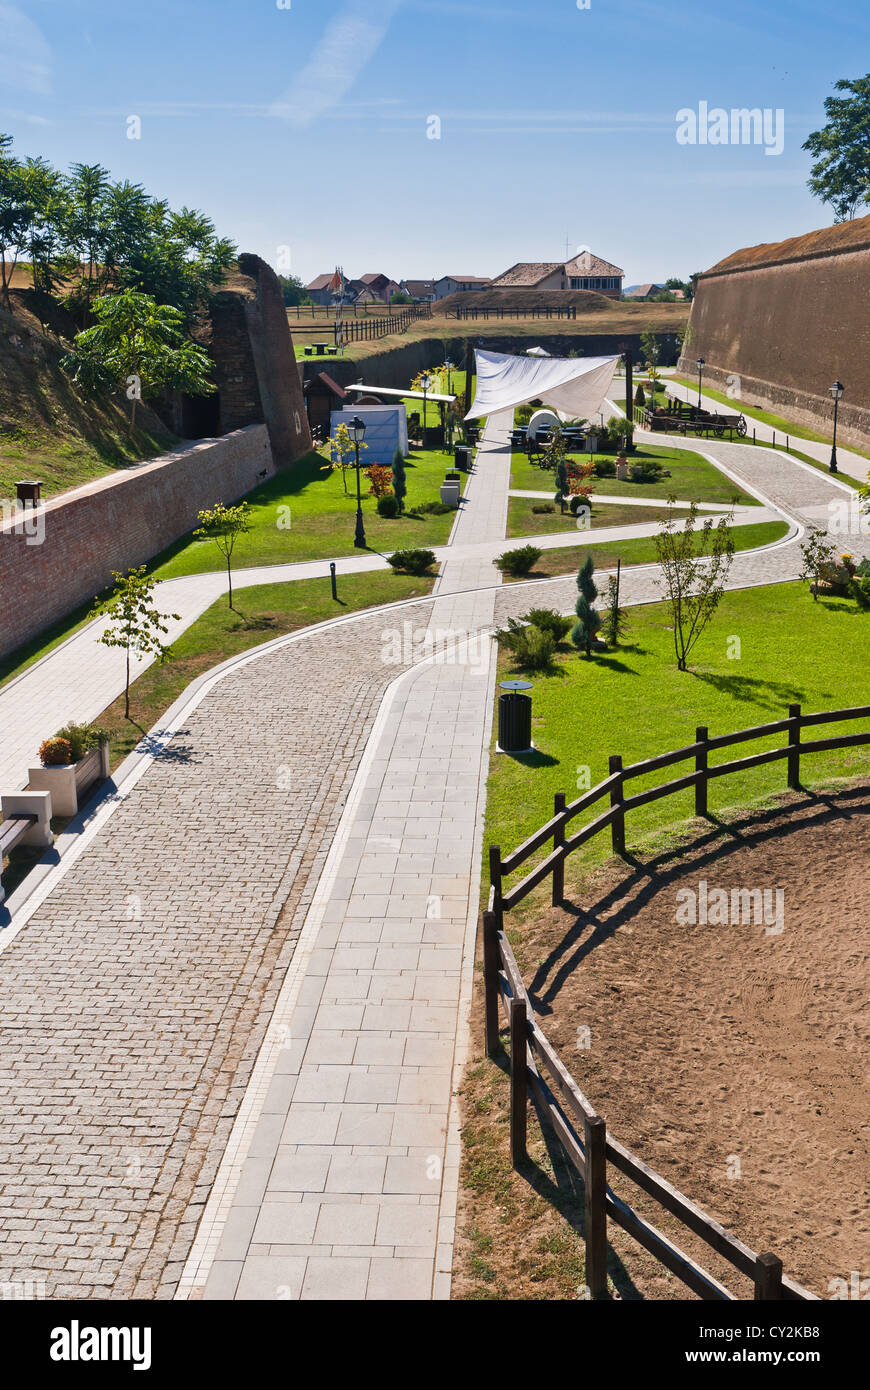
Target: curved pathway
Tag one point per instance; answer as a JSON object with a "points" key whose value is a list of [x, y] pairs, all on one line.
{"points": [[233, 1017]]}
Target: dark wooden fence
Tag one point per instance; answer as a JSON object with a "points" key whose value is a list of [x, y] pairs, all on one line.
{"points": [[363, 330], [569, 311], [583, 1133]]}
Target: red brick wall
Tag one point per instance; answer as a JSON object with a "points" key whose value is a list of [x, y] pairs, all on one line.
{"points": [[116, 523], [785, 332]]}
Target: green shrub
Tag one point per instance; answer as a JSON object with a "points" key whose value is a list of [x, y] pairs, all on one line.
{"points": [[548, 620], [433, 509], [531, 648], [579, 503], [639, 395], [81, 738], [519, 561], [604, 468], [411, 561], [860, 590], [649, 471], [543, 508], [388, 505]]}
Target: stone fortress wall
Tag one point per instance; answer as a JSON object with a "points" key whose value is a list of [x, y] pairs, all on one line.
{"points": [[777, 324]]}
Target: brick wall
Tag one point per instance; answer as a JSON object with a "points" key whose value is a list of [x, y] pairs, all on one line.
{"points": [[777, 335], [116, 523]]}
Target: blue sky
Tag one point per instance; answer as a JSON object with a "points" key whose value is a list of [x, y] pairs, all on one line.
{"points": [[306, 127]]}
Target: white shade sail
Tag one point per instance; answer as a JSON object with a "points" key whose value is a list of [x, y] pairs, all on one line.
{"points": [[572, 386]]}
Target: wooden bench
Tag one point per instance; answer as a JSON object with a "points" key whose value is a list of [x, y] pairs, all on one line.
{"points": [[12, 832]]}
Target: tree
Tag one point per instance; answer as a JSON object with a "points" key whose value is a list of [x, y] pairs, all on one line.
{"points": [[695, 568], [87, 231], [140, 345], [400, 482], [15, 214], [224, 525], [134, 623], [342, 452], [400, 297], [293, 290], [817, 553], [561, 483], [615, 621], [588, 621], [841, 173], [651, 349]]}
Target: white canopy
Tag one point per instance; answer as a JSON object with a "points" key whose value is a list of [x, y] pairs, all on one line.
{"points": [[573, 386], [538, 352]]}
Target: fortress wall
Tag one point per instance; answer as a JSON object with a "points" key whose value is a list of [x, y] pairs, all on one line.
{"points": [[116, 523], [778, 334]]}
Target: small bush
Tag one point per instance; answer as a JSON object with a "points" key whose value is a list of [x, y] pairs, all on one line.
{"points": [[531, 648], [650, 471], [411, 561], [543, 508], [519, 561], [388, 505], [579, 503], [604, 468], [433, 509], [55, 752], [81, 738], [548, 620]]}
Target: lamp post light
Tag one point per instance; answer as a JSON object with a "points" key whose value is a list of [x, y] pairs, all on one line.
{"points": [[837, 392], [451, 367], [358, 431], [701, 365], [426, 384]]}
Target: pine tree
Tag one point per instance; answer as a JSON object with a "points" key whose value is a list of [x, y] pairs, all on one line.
{"points": [[588, 621], [400, 486]]}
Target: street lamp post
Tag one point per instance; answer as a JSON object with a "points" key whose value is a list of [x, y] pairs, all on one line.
{"points": [[450, 367], [701, 365], [358, 430], [837, 391], [426, 384]]}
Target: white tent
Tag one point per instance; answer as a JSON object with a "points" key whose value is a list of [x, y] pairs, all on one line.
{"points": [[538, 352], [572, 386]]}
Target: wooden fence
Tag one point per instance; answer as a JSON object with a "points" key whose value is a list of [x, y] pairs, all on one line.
{"points": [[582, 1133], [367, 330], [465, 311]]}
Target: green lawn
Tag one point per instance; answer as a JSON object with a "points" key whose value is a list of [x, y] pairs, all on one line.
{"points": [[634, 702], [321, 519], [692, 479], [641, 551], [523, 521], [65, 460]]}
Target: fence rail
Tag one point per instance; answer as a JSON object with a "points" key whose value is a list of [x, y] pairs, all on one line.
{"points": [[582, 1133]]}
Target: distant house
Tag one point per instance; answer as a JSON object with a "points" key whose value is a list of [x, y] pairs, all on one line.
{"points": [[456, 284], [585, 272], [650, 291], [376, 288], [323, 289], [423, 291]]}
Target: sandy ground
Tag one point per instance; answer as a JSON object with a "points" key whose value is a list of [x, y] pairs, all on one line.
{"points": [[732, 1056]]}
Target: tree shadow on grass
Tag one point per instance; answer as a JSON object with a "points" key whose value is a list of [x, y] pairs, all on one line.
{"points": [[620, 903], [773, 695]]}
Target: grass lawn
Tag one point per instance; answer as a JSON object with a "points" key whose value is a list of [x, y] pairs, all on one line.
{"points": [[321, 519], [65, 461], [634, 702], [642, 551], [692, 479], [523, 521]]}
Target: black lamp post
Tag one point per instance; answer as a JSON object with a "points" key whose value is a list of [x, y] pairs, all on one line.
{"points": [[358, 430], [837, 392], [701, 365], [426, 384], [450, 366]]}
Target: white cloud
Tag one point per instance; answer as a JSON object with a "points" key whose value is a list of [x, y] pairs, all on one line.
{"points": [[348, 45], [25, 57]]}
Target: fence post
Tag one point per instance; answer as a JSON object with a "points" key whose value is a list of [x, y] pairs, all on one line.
{"points": [[794, 742], [559, 804], [495, 880], [617, 829], [701, 736], [490, 981], [768, 1278], [519, 1105], [595, 1225]]}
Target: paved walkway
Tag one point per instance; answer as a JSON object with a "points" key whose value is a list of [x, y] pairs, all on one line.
{"points": [[232, 1023], [854, 464]]}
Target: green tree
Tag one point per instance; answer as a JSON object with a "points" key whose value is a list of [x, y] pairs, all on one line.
{"points": [[400, 482], [841, 149], [695, 568], [588, 620], [139, 345], [817, 554], [87, 232], [224, 525], [48, 202], [561, 483], [134, 622], [400, 297], [16, 214], [293, 290], [615, 618]]}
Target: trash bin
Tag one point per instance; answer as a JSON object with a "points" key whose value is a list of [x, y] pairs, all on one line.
{"points": [[462, 456], [515, 717]]}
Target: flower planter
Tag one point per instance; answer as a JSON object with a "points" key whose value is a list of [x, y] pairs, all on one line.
{"points": [[70, 785]]}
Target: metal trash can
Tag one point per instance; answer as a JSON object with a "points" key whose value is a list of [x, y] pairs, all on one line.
{"points": [[462, 456], [515, 718]]}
